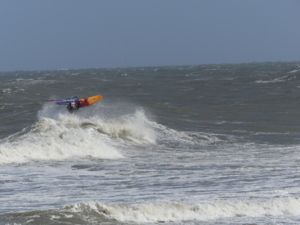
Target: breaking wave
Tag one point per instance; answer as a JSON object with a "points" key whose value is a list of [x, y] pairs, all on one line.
{"points": [[180, 211], [284, 78], [158, 212], [58, 135]]}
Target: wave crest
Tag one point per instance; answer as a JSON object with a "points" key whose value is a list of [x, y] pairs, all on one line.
{"points": [[158, 212], [179, 211], [60, 136], [97, 132]]}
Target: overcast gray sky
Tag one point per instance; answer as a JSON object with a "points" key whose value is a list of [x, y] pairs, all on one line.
{"points": [[56, 34]]}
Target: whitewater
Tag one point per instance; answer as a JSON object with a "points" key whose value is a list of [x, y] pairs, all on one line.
{"points": [[209, 144]]}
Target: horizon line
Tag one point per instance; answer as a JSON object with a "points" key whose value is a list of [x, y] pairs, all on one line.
{"points": [[146, 66]]}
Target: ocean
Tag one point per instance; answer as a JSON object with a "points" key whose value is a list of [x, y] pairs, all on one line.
{"points": [[206, 144]]}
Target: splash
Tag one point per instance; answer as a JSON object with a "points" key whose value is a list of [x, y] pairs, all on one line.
{"points": [[100, 132], [59, 136]]}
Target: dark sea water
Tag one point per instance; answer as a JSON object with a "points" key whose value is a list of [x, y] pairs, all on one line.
{"points": [[208, 144]]}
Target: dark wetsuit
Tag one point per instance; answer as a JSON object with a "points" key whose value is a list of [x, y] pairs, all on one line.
{"points": [[73, 105]]}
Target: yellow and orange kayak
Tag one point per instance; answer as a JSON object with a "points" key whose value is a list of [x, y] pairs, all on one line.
{"points": [[90, 100]]}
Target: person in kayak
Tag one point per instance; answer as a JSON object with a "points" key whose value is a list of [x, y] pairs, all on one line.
{"points": [[74, 104]]}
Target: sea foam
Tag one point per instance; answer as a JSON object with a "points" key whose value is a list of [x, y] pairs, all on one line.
{"points": [[152, 212], [61, 136]]}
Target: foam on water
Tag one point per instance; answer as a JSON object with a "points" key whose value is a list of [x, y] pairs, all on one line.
{"points": [[50, 140], [294, 71], [276, 80], [161, 212], [153, 212], [185, 138], [59, 136]]}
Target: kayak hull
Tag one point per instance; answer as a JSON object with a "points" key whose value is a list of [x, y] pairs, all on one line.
{"points": [[89, 100]]}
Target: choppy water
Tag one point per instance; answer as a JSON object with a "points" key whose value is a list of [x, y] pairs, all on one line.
{"points": [[210, 144]]}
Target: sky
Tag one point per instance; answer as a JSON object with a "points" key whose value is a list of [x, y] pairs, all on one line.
{"points": [[71, 34]]}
